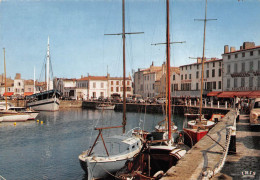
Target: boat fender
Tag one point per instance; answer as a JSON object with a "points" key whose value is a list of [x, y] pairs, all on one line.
{"points": [[158, 175]]}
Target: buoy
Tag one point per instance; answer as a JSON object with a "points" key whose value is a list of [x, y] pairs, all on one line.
{"points": [[15, 123], [41, 122], [37, 120]]}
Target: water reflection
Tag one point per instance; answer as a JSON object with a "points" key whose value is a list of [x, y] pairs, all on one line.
{"points": [[50, 150]]}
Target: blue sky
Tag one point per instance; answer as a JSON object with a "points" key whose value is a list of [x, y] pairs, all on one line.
{"points": [[77, 27]]}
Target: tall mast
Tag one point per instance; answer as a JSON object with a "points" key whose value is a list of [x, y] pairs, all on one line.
{"points": [[123, 36], [168, 93], [203, 58], [5, 81], [48, 66]]}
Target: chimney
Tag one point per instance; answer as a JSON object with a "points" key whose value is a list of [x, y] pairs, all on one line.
{"points": [[226, 49], [232, 49], [199, 60], [248, 45], [17, 76]]}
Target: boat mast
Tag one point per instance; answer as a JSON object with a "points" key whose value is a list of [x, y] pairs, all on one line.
{"points": [[48, 66], [34, 80], [168, 93], [123, 37], [124, 94], [5, 82], [203, 59]]}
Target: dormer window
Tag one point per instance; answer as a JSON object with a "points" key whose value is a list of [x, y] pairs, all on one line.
{"points": [[251, 53]]}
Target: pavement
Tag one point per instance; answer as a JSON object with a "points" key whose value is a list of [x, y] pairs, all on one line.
{"points": [[245, 163]]}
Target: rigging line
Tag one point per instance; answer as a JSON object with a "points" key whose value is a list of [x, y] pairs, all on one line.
{"points": [[43, 68]]}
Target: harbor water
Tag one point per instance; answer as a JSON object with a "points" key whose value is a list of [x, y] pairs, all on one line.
{"points": [[49, 149]]}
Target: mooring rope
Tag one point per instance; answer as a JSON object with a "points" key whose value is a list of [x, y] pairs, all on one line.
{"points": [[210, 173]]}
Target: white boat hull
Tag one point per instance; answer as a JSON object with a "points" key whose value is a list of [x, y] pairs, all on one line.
{"points": [[15, 118], [101, 166], [51, 104], [108, 107]]}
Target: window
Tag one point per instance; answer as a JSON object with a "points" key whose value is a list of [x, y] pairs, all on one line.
{"points": [[219, 64], [258, 81], [102, 85], [176, 87], [243, 54], [112, 89], [219, 72], [213, 72], [173, 77], [235, 68], [128, 83], [251, 79], [190, 66], [153, 86], [258, 66], [112, 82], [251, 53], [207, 65], [102, 94], [228, 83], [186, 75], [94, 85], [117, 83], [213, 64], [186, 67], [251, 66], [242, 82], [243, 67], [189, 76], [207, 73], [219, 85], [181, 77], [197, 66], [235, 55], [117, 89], [214, 85], [235, 82], [197, 74], [228, 69], [229, 56], [197, 86], [19, 84]]}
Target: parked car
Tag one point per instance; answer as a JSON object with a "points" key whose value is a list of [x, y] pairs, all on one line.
{"points": [[129, 100], [255, 112], [140, 100], [150, 100], [161, 101]]}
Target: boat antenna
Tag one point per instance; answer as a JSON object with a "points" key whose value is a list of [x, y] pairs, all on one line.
{"points": [[123, 37], [5, 81], [203, 56]]}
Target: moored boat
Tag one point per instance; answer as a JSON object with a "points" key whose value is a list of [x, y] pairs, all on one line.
{"points": [[44, 101], [103, 106]]}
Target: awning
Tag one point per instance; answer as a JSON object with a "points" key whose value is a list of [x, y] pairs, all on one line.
{"points": [[28, 93], [254, 94], [8, 93], [243, 93], [227, 94], [213, 93]]}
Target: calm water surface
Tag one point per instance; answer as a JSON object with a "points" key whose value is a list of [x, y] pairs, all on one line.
{"points": [[50, 150]]}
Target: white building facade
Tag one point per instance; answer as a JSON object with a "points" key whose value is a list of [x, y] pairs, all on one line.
{"points": [[241, 68]]}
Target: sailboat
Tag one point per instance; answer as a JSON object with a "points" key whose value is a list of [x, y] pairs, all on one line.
{"points": [[110, 154], [47, 100], [7, 115], [158, 155], [199, 128]]}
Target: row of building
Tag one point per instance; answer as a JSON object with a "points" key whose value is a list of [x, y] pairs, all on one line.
{"points": [[237, 71]]}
